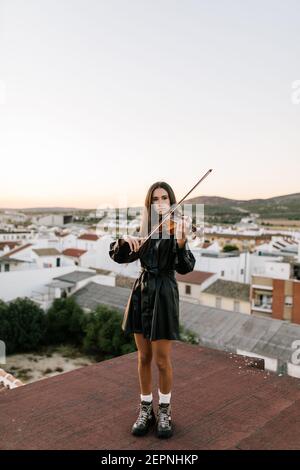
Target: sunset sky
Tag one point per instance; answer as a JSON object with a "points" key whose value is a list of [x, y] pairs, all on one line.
{"points": [[99, 99]]}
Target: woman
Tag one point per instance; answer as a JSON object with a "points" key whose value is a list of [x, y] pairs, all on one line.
{"points": [[152, 311]]}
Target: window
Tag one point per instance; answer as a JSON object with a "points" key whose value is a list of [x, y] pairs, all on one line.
{"points": [[218, 302], [222, 273], [188, 290], [288, 300]]}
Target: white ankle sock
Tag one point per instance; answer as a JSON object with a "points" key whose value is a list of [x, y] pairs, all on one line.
{"points": [[164, 397], [146, 397]]}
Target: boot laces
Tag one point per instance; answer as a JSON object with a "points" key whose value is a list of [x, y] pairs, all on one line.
{"points": [[144, 414], [163, 416]]}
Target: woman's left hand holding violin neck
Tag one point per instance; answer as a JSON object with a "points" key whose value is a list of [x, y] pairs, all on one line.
{"points": [[182, 227]]}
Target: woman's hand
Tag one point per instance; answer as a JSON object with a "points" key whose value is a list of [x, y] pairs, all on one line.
{"points": [[133, 242], [182, 228]]}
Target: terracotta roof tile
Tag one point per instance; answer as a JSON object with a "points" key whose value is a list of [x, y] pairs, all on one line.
{"points": [[74, 252], [8, 381], [10, 244], [89, 236], [194, 277], [46, 251], [16, 250]]}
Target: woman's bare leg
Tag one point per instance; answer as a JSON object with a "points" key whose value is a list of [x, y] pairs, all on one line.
{"points": [[162, 353], [144, 363]]}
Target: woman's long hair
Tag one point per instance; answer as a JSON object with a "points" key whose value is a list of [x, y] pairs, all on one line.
{"points": [[150, 218]]}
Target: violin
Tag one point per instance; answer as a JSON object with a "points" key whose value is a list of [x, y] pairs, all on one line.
{"points": [[170, 225]]}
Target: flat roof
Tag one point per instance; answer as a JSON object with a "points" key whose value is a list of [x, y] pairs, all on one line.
{"points": [[219, 401], [215, 327], [75, 276]]}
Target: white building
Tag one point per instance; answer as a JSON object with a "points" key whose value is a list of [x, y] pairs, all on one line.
{"points": [[46, 257], [53, 219], [88, 241]]}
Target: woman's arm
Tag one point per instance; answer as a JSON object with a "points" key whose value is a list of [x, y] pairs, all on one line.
{"points": [[184, 258], [119, 252]]}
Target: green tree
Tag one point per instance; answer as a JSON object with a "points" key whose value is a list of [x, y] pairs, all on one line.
{"points": [[22, 325], [65, 322], [4, 323], [104, 334], [228, 248]]}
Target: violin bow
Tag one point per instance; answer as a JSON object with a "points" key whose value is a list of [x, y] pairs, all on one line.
{"points": [[174, 208]]}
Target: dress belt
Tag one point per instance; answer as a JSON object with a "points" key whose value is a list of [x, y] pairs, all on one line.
{"points": [[158, 272]]}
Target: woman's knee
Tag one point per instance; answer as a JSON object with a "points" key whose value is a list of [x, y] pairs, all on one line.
{"points": [[163, 363], [145, 358]]}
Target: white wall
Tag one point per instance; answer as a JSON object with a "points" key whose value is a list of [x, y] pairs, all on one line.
{"points": [[62, 243], [87, 244], [227, 303], [196, 289], [269, 267], [22, 283], [230, 265], [41, 261], [293, 370], [104, 280], [51, 219], [17, 266], [9, 236], [270, 363], [101, 259]]}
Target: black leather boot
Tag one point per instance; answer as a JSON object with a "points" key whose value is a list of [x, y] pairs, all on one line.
{"points": [[164, 427], [145, 419]]}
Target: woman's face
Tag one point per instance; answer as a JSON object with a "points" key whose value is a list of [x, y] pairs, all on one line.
{"points": [[160, 200]]}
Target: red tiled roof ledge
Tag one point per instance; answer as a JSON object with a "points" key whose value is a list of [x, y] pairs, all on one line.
{"points": [[218, 402], [8, 381], [74, 252], [16, 250], [89, 236], [194, 277]]}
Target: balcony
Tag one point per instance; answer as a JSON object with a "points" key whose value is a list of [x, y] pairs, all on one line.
{"points": [[261, 307]]}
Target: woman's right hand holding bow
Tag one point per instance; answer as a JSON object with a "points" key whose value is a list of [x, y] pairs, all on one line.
{"points": [[133, 242]]}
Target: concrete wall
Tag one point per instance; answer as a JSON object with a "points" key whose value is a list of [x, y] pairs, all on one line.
{"points": [[270, 363], [22, 283], [231, 266], [210, 300]]}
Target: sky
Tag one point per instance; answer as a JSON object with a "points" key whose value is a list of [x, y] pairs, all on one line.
{"points": [[99, 99]]}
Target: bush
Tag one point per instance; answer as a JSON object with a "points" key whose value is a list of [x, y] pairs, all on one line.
{"points": [[22, 325], [65, 321], [187, 335], [228, 248], [104, 334]]}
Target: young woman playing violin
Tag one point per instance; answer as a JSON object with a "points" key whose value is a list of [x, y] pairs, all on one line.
{"points": [[152, 311]]}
